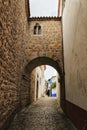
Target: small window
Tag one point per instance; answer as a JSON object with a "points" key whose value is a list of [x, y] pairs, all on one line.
{"points": [[37, 29]]}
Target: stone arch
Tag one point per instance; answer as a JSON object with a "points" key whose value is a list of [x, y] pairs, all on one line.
{"points": [[35, 63], [43, 61]]}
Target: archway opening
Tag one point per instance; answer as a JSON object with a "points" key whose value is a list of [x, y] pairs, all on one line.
{"points": [[52, 83], [28, 80], [44, 83]]}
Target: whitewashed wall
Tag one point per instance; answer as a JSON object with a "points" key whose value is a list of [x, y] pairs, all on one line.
{"points": [[75, 51]]}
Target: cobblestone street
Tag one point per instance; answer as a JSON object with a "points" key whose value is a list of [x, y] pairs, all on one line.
{"points": [[44, 114]]}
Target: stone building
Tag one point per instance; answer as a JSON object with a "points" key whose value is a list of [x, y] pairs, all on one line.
{"points": [[21, 51], [47, 39]]}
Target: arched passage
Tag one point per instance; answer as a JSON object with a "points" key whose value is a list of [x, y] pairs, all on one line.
{"points": [[43, 61], [26, 80]]}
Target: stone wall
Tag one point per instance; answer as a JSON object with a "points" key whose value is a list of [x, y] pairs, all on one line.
{"points": [[75, 59], [32, 86], [13, 37], [49, 42]]}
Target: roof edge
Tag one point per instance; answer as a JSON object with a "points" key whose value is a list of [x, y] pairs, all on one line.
{"points": [[44, 18]]}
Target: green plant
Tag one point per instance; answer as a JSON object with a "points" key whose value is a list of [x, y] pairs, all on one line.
{"points": [[53, 85]]}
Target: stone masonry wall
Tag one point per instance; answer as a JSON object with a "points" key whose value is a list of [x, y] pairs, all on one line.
{"points": [[49, 42], [32, 86], [13, 37]]}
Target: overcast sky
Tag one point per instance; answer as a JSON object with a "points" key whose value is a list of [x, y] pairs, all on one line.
{"points": [[49, 72], [44, 7]]}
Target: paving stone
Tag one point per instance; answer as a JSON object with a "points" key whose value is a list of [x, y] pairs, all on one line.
{"points": [[44, 114]]}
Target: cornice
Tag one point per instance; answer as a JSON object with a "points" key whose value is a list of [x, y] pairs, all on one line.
{"points": [[44, 18]]}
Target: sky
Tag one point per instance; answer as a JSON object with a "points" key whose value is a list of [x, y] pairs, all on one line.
{"points": [[43, 8], [49, 72]]}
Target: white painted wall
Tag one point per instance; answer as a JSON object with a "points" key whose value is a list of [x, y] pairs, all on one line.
{"points": [[58, 87], [75, 51], [41, 80]]}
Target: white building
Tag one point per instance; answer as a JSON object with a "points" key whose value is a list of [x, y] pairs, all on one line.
{"points": [[40, 81], [56, 90]]}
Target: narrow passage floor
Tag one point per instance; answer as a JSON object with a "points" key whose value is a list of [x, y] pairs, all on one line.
{"points": [[45, 114]]}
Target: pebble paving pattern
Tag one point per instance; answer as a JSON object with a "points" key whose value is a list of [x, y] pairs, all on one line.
{"points": [[44, 114]]}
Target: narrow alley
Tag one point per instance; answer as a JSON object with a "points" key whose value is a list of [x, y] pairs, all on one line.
{"points": [[44, 114], [35, 34]]}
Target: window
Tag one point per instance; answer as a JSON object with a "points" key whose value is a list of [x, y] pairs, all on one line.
{"points": [[37, 29]]}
